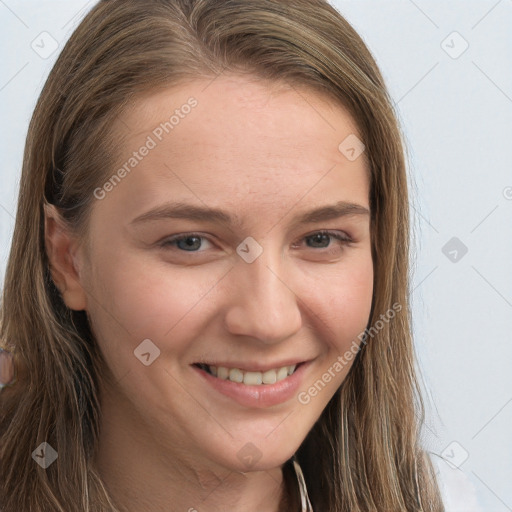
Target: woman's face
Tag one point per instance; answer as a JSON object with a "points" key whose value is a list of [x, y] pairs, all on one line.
{"points": [[205, 257]]}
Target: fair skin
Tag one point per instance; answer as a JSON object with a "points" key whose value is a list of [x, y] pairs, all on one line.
{"points": [[170, 440]]}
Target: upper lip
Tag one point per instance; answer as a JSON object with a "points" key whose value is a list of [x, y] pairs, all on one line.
{"points": [[254, 366]]}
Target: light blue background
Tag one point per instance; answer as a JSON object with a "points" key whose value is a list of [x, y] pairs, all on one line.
{"points": [[457, 117]]}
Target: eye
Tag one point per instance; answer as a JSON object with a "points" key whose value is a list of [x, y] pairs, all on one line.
{"points": [[192, 242], [322, 239], [189, 242]]}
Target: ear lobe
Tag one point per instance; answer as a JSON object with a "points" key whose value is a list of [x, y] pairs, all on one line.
{"points": [[61, 246]]}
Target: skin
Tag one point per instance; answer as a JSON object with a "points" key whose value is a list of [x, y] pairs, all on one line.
{"points": [[169, 441]]}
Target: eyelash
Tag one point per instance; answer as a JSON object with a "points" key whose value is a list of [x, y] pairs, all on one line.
{"points": [[343, 238]]}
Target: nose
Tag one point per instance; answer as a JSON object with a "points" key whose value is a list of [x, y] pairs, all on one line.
{"points": [[263, 304]]}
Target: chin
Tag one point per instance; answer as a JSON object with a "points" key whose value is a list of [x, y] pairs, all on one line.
{"points": [[257, 457]]}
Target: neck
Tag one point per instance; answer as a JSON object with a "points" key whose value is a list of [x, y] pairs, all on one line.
{"points": [[140, 473]]}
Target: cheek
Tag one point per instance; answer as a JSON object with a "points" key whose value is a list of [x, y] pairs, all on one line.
{"points": [[344, 304], [342, 311], [133, 302]]}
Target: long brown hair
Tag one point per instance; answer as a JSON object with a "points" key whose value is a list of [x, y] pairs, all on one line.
{"points": [[364, 453]]}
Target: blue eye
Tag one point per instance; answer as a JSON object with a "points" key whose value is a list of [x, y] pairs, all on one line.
{"points": [[324, 235], [192, 242]]}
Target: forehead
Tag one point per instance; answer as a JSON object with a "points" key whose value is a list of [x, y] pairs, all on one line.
{"points": [[240, 141], [239, 106]]}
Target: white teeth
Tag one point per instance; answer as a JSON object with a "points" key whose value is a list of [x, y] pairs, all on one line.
{"points": [[270, 377], [252, 378], [236, 375], [282, 373], [222, 372]]}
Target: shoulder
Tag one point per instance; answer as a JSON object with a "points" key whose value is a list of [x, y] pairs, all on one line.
{"points": [[457, 490]]}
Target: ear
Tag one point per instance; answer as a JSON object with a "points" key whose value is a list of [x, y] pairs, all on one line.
{"points": [[62, 250]]}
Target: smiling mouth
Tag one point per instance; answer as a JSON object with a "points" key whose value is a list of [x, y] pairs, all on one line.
{"points": [[247, 377]]}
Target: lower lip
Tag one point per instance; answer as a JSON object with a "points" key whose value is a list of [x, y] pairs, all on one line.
{"points": [[264, 395]]}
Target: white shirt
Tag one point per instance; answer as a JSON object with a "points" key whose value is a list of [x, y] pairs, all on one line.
{"points": [[457, 491]]}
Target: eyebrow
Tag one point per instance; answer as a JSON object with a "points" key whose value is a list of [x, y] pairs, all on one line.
{"points": [[179, 210]]}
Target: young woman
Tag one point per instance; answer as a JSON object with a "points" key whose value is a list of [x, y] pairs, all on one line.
{"points": [[206, 299]]}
